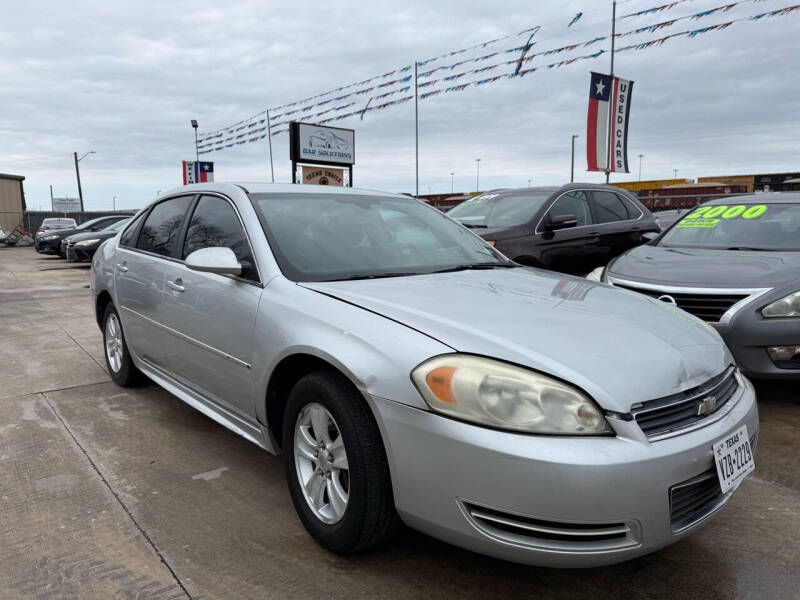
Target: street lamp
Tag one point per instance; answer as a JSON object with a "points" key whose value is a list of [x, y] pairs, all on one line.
{"points": [[641, 156], [477, 174], [451, 182], [196, 151], [674, 173], [572, 164], [78, 173]]}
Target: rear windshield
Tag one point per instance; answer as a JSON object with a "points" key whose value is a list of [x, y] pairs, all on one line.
{"points": [[64, 222], [738, 227], [499, 210]]}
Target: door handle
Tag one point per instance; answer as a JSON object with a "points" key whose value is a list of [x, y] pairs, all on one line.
{"points": [[176, 285], [122, 267]]}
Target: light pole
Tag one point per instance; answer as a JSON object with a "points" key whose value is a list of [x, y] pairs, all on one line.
{"points": [[451, 182], [114, 203], [641, 156], [196, 151], [674, 173], [477, 174], [572, 163], [78, 173]]}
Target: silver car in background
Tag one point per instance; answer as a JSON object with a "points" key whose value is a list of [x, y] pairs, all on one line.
{"points": [[407, 371]]}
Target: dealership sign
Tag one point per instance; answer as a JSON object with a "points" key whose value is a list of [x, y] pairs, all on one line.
{"points": [[321, 145], [323, 176], [66, 204]]}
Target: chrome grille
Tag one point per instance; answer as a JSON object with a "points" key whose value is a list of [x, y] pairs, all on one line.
{"points": [[663, 415], [709, 307], [518, 529]]}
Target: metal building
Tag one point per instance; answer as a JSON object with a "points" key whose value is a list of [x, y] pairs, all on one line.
{"points": [[12, 201]]}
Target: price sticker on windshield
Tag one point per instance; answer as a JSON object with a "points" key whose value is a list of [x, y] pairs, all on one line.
{"points": [[708, 217]]}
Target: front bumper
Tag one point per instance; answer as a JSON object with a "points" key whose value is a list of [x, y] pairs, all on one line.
{"points": [[48, 246], [748, 337], [442, 469], [80, 253]]}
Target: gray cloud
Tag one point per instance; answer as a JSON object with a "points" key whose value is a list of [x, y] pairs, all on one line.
{"points": [[125, 79]]}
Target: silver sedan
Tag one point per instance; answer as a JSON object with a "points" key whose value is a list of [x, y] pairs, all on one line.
{"points": [[408, 372]]}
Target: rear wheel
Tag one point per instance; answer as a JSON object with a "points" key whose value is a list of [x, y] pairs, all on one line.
{"points": [[118, 359], [336, 465]]}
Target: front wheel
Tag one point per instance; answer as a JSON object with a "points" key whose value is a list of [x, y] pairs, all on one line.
{"points": [[336, 465], [118, 358]]}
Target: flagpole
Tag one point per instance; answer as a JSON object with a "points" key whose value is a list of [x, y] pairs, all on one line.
{"points": [[610, 135], [269, 139], [416, 127]]}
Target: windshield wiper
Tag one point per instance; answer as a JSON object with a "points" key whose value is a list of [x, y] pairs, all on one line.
{"points": [[473, 225], [378, 275], [478, 267], [747, 248]]}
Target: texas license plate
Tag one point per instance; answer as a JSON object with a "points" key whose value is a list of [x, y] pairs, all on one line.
{"points": [[734, 459]]}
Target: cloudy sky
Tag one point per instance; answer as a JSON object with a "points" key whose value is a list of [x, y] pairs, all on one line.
{"points": [[125, 78]]}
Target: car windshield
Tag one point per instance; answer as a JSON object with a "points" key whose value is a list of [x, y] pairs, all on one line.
{"points": [[500, 210], [318, 237], [738, 227]]}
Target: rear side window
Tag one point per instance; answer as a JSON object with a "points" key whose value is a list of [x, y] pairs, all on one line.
{"points": [[214, 223], [128, 238], [162, 227], [609, 207]]}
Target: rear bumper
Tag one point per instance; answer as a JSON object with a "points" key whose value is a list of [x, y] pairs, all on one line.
{"points": [[443, 469]]}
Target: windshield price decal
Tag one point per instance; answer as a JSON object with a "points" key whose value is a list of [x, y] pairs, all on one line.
{"points": [[709, 216]]}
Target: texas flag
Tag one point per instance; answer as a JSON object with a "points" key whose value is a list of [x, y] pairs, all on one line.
{"points": [[608, 93], [197, 172]]}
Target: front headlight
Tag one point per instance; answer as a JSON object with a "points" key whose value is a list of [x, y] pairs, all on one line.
{"points": [[597, 274], [788, 306], [489, 392], [51, 237], [91, 242]]}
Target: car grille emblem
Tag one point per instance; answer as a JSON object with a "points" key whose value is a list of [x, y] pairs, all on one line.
{"points": [[706, 406], [668, 300]]}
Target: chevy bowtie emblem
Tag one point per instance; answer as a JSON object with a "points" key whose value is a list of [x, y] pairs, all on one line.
{"points": [[668, 300], [706, 406]]}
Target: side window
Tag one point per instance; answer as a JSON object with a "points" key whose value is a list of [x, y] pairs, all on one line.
{"points": [[127, 238], [163, 225], [634, 212], [609, 207], [572, 203], [215, 224]]}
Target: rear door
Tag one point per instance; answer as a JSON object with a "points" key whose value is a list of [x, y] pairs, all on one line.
{"points": [[145, 252], [575, 249], [211, 316], [618, 223]]}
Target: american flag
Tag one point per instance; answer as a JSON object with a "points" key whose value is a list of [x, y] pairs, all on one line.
{"points": [[197, 172]]}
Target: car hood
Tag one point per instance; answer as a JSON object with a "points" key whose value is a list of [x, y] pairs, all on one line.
{"points": [[619, 346], [707, 267]]}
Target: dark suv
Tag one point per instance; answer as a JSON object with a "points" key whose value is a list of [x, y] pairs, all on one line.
{"points": [[573, 229]]}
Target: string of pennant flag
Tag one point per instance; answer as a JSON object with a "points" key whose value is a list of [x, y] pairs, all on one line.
{"points": [[255, 128]]}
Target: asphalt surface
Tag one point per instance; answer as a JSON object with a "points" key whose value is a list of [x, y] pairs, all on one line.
{"points": [[114, 493]]}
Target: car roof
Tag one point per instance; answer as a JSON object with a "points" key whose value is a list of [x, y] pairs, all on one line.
{"points": [[767, 198], [278, 188]]}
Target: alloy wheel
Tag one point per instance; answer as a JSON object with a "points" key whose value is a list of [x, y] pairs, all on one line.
{"points": [[114, 343], [321, 463]]}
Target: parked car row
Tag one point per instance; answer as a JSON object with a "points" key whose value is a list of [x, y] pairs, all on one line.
{"points": [[84, 238], [408, 370]]}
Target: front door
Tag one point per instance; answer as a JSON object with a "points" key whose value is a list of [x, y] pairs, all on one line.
{"points": [[211, 316], [575, 249]]}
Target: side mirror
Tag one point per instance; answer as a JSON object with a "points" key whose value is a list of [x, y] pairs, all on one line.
{"points": [[561, 222], [649, 236], [214, 260]]}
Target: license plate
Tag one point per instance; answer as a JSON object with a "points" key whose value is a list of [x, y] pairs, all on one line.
{"points": [[734, 459]]}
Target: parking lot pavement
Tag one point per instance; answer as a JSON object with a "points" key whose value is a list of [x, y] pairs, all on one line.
{"points": [[110, 492]]}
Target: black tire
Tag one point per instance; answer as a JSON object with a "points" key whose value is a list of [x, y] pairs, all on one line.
{"points": [[127, 374], [370, 517]]}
